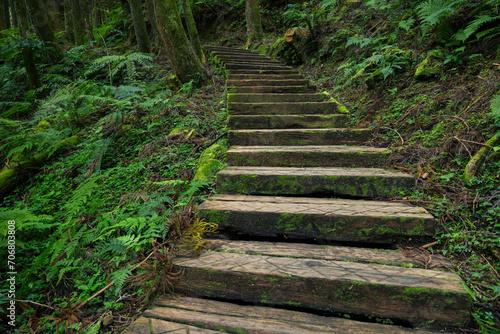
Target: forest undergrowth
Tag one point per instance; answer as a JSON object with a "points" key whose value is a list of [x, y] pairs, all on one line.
{"points": [[98, 178], [102, 157]]}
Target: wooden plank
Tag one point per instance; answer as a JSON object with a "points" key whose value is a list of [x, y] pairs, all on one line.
{"points": [[260, 98], [287, 121], [402, 258], [307, 156], [284, 108], [253, 319], [415, 295], [144, 325], [296, 137]]}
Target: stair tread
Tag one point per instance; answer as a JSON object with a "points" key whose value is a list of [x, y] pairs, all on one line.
{"points": [[402, 257], [302, 205], [314, 171], [185, 314], [307, 148]]}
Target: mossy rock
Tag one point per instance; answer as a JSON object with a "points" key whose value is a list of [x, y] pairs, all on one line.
{"points": [[173, 82], [432, 65], [184, 132], [210, 164]]}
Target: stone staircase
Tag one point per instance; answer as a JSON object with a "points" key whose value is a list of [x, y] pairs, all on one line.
{"points": [[308, 236]]}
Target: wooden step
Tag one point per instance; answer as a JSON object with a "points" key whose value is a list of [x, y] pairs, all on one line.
{"points": [[259, 76], [298, 137], [297, 218], [274, 98], [183, 315], [257, 67], [247, 59], [256, 72], [327, 182], [283, 108], [271, 89], [267, 82], [307, 156], [287, 121], [419, 296]]}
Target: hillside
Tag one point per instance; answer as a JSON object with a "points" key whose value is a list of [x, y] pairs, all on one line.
{"points": [[100, 160]]}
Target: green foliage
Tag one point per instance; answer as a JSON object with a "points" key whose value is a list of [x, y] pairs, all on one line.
{"points": [[474, 26], [120, 67], [433, 12], [495, 111]]}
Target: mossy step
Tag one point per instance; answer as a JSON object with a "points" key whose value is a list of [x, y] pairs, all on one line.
{"points": [[194, 315], [267, 82], [271, 89], [273, 98], [307, 156], [297, 137], [418, 296], [259, 76], [331, 182], [247, 59], [409, 258], [256, 72], [286, 121], [233, 52], [259, 67], [283, 108]]}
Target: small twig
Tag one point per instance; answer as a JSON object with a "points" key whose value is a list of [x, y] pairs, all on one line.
{"points": [[460, 141], [473, 142], [429, 245], [402, 140], [473, 103], [496, 272]]}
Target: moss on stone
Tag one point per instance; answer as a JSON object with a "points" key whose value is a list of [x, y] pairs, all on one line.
{"points": [[209, 164], [431, 65]]}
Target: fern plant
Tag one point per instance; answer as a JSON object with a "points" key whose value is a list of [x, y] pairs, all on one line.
{"points": [[433, 12], [119, 66], [474, 26]]}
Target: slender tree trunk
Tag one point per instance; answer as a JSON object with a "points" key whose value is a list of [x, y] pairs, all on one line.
{"points": [[13, 13], [68, 24], [43, 29], [76, 15], [29, 60], [155, 34], [125, 6], [185, 64], [192, 31], [254, 24], [141, 33], [5, 15], [86, 19]]}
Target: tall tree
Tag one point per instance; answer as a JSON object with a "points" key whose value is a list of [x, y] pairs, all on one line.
{"points": [[155, 34], [13, 13], [29, 60], [86, 20], [192, 31], [68, 22], [254, 23], [141, 33], [42, 27], [52, 14], [77, 17], [185, 64], [4, 15]]}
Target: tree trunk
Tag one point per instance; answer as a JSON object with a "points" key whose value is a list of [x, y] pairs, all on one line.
{"points": [[192, 31], [4, 16], [76, 14], [86, 21], [254, 24], [155, 34], [13, 13], [141, 33], [125, 6], [43, 29], [185, 64], [68, 25], [29, 60]]}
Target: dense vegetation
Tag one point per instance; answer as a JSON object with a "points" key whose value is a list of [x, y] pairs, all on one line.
{"points": [[105, 150]]}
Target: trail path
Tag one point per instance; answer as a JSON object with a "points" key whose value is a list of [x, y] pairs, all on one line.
{"points": [[299, 179]]}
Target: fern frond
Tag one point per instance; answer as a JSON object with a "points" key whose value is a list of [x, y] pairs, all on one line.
{"points": [[119, 278], [432, 12], [495, 109], [473, 27]]}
